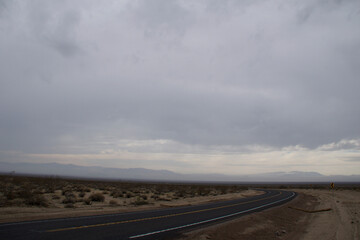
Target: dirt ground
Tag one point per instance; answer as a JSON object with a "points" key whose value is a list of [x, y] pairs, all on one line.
{"points": [[343, 222], [313, 215], [16, 213]]}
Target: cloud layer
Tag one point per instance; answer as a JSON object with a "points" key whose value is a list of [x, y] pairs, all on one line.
{"points": [[164, 77]]}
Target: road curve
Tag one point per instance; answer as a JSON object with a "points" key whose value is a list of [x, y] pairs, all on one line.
{"points": [[151, 224]]}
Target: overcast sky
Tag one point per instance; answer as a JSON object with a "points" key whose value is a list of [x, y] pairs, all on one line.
{"points": [[230, 87]]}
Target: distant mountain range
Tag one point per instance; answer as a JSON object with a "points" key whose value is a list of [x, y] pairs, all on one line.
{"points": [[70, 170]]}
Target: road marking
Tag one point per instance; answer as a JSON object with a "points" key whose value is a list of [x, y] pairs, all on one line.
{"points": [[209, 220], [158, 217]]}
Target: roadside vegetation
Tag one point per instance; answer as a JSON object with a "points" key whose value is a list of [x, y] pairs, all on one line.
{"points": [[25, 191]]}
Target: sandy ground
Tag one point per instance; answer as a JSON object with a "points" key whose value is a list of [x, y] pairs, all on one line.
{"points": [[301, 218], [14, 214], [342, 223]]}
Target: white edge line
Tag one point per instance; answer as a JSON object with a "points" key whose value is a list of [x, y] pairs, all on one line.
{"points": [[209, 220]]}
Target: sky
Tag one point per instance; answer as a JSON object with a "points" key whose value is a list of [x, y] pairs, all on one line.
{"points": [[203, 86]]}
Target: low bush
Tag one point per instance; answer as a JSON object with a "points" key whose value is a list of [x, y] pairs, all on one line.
{"points": [[129, 195], [68, 200], [116, 194], [24, 193], [69, 205], [139, 201], [3, 201], [55, 197], [36, 200], [97, 197]]}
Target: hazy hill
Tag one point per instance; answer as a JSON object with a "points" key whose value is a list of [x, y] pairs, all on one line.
{"points": [[70, 170]]}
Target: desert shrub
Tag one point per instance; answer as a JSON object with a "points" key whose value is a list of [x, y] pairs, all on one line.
{"points": [[164, 199], [69, 205], [37, 191], [155, 196], [55, 197], [79, 188], [50, 189], [113, 202], [3, 201], [97, 197], [36, 200], [180, 193], [81, 194], [115, 194], [203, 191], [24, 193], [139, 201], [17, 202], [69, 194], [69, 200], [129, 195], [10, 194], [87, 201]]}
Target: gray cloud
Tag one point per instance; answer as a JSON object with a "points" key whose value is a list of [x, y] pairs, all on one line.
{"points": [[206, 73], [3, 6], [353, 159], [55, 25]]}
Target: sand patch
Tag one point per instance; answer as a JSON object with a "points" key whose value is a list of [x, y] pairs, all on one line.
{"points": [[343, 222]]}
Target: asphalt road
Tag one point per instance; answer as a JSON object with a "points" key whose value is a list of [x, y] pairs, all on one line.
{"points": [[152, 224]]}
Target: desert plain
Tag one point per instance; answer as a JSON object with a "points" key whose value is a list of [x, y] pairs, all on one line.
{"points": [[318, 212]]}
